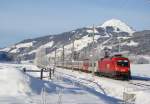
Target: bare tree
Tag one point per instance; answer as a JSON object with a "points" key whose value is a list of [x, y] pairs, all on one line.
{"points": [[41, 60]]}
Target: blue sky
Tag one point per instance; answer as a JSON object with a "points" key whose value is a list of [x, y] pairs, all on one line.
{"points": [[23, 19]]}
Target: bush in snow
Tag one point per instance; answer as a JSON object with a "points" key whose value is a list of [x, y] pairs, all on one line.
{"points": [[142, 60]]}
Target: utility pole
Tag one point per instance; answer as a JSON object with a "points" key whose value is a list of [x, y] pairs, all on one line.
{"points": [[55, 58], [118, 44], [63, 55], [72, 52], [93, 61]]}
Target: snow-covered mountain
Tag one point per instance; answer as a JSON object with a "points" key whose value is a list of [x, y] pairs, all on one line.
{"points": [[107, 35], [118, 25]]}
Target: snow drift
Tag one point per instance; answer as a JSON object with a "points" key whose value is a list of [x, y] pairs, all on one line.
{"points": [[13, 82]]}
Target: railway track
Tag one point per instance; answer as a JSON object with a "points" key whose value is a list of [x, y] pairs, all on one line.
{"points": [[85, 83], [140, 84]]}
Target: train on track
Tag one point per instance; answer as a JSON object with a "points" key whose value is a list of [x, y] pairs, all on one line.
{"points": [[116, 66]]}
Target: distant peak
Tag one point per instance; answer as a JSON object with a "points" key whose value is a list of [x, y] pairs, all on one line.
{"points": [[116, 23]]}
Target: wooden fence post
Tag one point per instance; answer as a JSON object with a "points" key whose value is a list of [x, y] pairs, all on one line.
{"points": [[41, 73], [24, 70], [50, 74], [53, 71]]}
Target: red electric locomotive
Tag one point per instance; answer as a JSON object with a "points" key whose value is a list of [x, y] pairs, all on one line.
{"points": [[116, 66]]}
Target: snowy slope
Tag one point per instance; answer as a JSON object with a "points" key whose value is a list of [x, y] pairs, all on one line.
{"points": [[5, 49], [24, 45], [49, 44], [78, 45], [10, 77]]}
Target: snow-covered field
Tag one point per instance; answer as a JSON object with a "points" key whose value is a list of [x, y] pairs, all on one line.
{"points": [[70, 87]]}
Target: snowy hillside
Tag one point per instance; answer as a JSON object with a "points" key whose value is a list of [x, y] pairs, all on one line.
{"points": [[107, 35]]}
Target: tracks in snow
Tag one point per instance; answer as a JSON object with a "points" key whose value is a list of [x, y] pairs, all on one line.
{"points": [[144, 85], [97, 83]]}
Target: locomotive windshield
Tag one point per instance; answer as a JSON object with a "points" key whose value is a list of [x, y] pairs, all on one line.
{"points": [[123, 63]]}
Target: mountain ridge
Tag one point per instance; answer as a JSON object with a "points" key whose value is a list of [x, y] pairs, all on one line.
{"points": [[105, 36]]}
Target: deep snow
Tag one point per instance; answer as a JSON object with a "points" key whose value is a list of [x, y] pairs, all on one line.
{"points": [[70, 87], [20, 88]]}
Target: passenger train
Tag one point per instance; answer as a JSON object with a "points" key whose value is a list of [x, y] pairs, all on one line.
{"points": [[115, 66]]}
